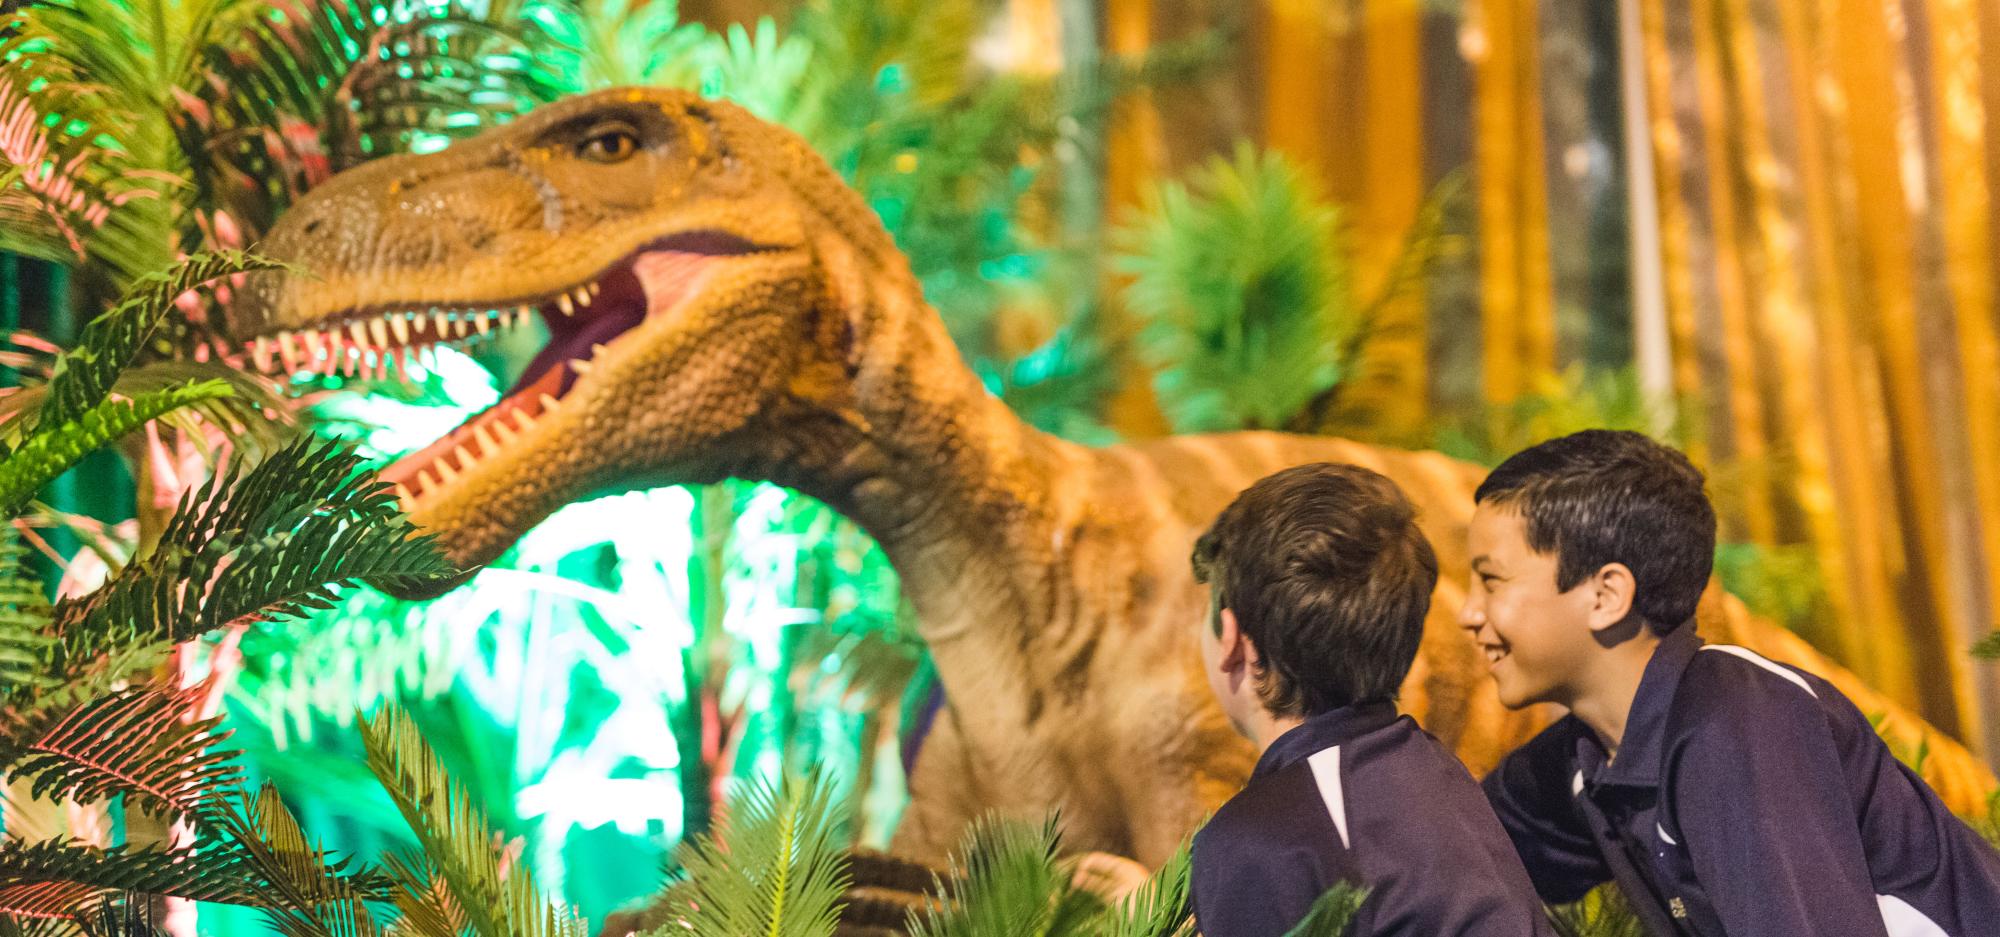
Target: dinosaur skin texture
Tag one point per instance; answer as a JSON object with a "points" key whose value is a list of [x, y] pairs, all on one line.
{"points": [[758, 323]]}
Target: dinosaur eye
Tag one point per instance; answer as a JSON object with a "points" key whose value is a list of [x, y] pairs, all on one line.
{"points": [[609, 145]]}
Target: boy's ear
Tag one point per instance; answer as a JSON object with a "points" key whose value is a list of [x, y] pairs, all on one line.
{"points": [[1237, 651], [1613, 589]]}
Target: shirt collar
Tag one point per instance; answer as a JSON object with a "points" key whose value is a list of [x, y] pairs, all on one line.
{"points": [[1638, 761], [1321, 732]]}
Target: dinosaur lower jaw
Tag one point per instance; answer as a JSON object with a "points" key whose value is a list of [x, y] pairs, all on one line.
{"points": [[584, 321], [582, 337]]}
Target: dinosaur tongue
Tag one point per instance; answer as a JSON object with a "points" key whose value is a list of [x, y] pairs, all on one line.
{"points": [[620, 305]]}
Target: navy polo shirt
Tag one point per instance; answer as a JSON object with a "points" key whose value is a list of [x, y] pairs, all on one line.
{"points": [[1363, 796], [1747, 799]]}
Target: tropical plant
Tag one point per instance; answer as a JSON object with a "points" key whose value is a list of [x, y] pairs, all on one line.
{"points": [[1602, 913], [86, 713]]}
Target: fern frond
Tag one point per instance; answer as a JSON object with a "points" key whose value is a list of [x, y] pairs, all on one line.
{"points": [[783, 872], [139, 742], [25, 615], [50, 449], [268, 542], [1006, 881], [454, 834]]}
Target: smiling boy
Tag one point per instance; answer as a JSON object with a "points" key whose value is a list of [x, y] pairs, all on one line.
{"points": [[1319, 583], [1727, 795]]}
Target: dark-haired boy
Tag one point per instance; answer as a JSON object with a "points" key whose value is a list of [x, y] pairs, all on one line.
{"points": [[1320, 580], [1724, 793]]}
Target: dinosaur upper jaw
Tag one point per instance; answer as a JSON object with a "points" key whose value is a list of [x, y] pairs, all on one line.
{"points": [[588, 321]]}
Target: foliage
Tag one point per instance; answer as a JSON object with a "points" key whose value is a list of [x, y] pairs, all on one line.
{"points": [[491, 899], [1558, 404], [1602, 913], [782, 875], [1243, 280], [1987, 648], [84, 717]]}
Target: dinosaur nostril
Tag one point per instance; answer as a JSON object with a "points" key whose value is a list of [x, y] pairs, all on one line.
{"points": [[312, 227]]}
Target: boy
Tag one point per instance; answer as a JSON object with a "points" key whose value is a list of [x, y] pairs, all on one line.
{"points": [[1724, 793], [1320, 580]]}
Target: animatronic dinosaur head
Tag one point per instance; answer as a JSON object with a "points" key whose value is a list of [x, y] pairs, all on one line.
{"points": [[665, 241]]}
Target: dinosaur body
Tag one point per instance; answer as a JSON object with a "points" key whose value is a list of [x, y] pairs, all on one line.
{"points": [[721, 305]]}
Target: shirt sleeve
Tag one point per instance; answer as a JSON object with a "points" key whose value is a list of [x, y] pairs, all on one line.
{"points": [[1248, 892], [1768, 824], [1534, 792]]}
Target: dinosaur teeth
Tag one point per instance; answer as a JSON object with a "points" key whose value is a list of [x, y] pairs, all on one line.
{"points": [[444, 468], [579, 366], [500, 429], [359, 331], [487, 444], [593, 290], [427, 480], [583, 297], [288, 350], [440, 322], [520, 316], [407, 497], [465, 458], [596, 349], [482, 323], [549, 404], [260, 353], [400, 327], [564, 304], [379, 331], [315, 346], [523, 421]]}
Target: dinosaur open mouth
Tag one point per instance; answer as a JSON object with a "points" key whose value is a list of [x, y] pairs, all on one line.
{"points": [[583, 320]]}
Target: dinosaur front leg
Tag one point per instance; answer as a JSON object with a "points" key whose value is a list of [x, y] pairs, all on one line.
{"points": [[944, 795]]}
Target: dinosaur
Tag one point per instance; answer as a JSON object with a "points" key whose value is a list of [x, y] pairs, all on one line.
{"points": [[719, 304]]}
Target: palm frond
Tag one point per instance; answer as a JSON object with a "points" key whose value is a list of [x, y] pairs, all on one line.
{"points": [[1331, 914], [1159, 908], [25, 614], [1602, 913], [292, 91], [305, 893], [270, 541], [783, 873], [1006, 881], [57, 878], [1242, 278], [50, 449], [609, 43], [84, 375], [141, 742], [497, 901], [426, 902]]}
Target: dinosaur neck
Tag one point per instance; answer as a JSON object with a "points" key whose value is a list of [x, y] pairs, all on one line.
{"points": [[912, 447]]}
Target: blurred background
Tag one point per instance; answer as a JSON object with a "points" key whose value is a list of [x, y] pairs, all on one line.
{"points": [[1760, 229]]}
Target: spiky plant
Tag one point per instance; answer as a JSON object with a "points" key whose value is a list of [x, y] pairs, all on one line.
{"points": [[782, 873], [1008, 880], [86, 714], [1242, 279]]}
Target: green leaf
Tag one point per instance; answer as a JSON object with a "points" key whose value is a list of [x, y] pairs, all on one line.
{"points": [[1987, 648], [1159, 908], [83, 376], [783, 873], [1331, 914], [1242, 275], [140, 742], [497, 901], [1007, 883], [49, 450], [269, 541]]}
